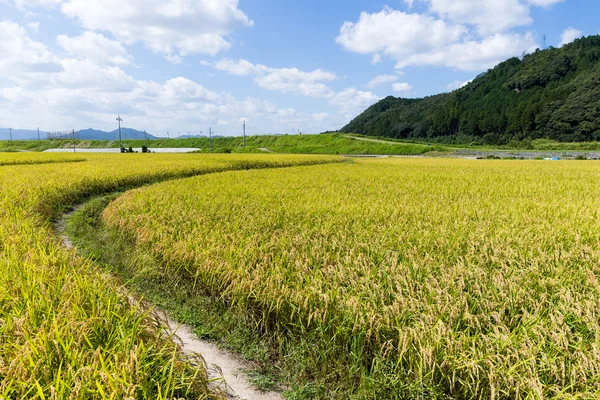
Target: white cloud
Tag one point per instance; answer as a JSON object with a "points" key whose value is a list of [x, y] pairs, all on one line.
{"points": [[489, 16], [457, 85], [419, 40], [95, 47], [381, 79], [70, 93], [402, 87], [21, 56], [474, 55], [569, 35], [285, 80], [295, 81], [239, 68], [376, 59], [171, 27], [352, 101], [84, 74], [544, 3], [289, 81], [24, 4], [34, 26], [397, 34]]}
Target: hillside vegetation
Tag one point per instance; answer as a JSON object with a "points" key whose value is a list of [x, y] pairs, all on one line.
{"points": [[550, 94]]}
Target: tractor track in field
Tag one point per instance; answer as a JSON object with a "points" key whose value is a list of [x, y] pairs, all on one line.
{"points": [[225, 369]]}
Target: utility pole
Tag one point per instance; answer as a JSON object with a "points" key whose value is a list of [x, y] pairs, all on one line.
{"points": [[145, 136], [120, 138], [74, 145], [244, 133], [168, 136], [39, 133], [210, 138], [10, 132]]}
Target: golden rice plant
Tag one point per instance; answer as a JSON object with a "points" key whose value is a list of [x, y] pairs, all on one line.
{"points": [[68, 331], [398, 278]]}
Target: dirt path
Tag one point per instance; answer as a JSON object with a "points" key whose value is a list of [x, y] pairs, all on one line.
{"points": [[372, 140], [224, 368]]}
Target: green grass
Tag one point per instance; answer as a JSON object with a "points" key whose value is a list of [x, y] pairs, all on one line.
{"points": [[285, 144], [330, 143], [293, 144]]}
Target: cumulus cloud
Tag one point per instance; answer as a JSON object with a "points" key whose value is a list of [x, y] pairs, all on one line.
{"points": [[295, 81], [419, 40], [468, 35], [21, 56], [239, 68], [34, 26], [351, 101], [569, 35], [24, 4], [285, 80], [396, 33], [376, 59], [171, 27], [544, 3], [402, 88], [457, 85], [474, 55], [381, 79], [489, 16], [58, 92], [95, 47]]}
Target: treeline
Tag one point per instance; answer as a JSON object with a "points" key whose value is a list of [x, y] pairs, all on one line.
{"points": [[551, 94]]}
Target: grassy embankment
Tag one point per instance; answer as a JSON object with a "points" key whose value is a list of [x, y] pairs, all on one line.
{"points": [[68, 330], [383, 279], [304, 144], [285, 144]]}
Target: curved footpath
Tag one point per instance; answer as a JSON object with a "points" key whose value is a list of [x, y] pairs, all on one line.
{"points": [[225, 369]]}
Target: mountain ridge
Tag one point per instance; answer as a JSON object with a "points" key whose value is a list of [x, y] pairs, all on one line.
{"points": [[85, 134], [549, 94]]}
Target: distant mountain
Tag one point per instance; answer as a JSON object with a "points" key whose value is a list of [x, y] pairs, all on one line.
{"points": [[86, 134], [126, 134], [21, 134], [550, 94]]}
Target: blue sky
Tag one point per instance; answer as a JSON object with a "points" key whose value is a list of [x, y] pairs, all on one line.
{"points": [[187, 65]]}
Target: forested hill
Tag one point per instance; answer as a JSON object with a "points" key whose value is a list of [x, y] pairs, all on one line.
{"points": [[552, 94]]}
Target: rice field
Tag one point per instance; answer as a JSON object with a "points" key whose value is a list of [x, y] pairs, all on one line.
{"points": [[395, 278], [68, 330]]}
